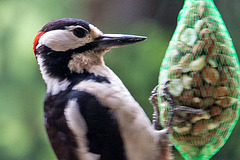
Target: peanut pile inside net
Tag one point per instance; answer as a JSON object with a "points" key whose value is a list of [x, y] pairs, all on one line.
{"points": [[203, 69]]}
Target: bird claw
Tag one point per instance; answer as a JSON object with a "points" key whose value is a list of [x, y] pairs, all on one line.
{"points": [[153, 98], [189, 110], [174, 108], [154, 101]]}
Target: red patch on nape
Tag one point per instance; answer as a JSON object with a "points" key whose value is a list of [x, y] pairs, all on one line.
{"points": [[36, 39]]}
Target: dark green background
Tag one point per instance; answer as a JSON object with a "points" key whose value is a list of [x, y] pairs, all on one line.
{"points": [[22, 134]]}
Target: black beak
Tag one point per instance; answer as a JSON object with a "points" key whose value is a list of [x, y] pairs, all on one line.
{"points": [[117, 40]]}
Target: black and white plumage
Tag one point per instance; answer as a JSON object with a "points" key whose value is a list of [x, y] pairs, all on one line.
{"points": [[89, 113]]}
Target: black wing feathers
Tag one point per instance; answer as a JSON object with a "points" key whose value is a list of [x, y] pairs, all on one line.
{"points": [[103, 132], [61, 137]]}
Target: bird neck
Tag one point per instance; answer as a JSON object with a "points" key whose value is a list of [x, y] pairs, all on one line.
{"points": [[55, 82], [85, 61], [59, 74]]}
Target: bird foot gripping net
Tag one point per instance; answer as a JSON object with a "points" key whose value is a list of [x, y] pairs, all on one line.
{"points": [[201, 69]]}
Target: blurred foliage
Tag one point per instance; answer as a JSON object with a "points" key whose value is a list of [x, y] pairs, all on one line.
{"points": [[22, 134]]}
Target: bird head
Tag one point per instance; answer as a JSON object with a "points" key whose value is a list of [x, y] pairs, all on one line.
{"points": [[68, 45]]}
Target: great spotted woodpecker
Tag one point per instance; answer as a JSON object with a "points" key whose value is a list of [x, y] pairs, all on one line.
{"points": [[89, 113]]}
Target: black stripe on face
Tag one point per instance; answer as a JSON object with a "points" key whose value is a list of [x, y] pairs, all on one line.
{"points": [[56, 63], [64, 22]]}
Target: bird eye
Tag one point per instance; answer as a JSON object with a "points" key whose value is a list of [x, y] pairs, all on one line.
{"points": [[79, 32]]}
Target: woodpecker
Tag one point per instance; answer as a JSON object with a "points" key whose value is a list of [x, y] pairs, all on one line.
{"points": [[89, 114]]}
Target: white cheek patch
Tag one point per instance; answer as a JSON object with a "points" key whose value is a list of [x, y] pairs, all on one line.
{"points": [[62, 40]]}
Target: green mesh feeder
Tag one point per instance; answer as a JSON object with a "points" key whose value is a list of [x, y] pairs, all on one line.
{"points": [[203, 69]]}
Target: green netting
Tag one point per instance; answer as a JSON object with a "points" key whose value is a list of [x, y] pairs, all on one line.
{"points": [[203, 69]]}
